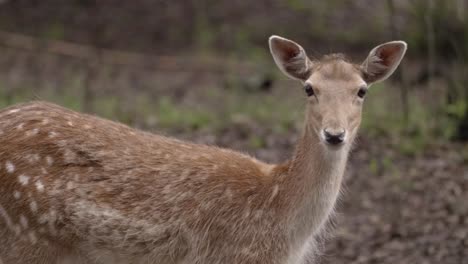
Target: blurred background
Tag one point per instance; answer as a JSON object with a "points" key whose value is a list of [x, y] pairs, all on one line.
{"points": [[201, 70]]}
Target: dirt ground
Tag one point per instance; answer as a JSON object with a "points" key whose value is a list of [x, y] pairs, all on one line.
{"points": [[412, 210]]}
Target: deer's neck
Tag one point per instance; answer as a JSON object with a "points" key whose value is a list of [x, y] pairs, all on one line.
{"points": [[313, 180]]}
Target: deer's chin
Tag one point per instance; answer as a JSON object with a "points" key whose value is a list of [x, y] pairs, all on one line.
{"points": [[334, 148]]}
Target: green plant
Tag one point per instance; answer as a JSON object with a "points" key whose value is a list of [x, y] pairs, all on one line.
{"points": [[171, 115]]}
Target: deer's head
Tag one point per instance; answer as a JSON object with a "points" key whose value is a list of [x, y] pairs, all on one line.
{"points": [[335, 88]]}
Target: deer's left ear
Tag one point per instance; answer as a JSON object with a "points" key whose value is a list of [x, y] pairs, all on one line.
{"points": [[383, 61]]}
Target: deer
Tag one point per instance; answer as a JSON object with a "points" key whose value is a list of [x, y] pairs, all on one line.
{"points": [[79, 189]]}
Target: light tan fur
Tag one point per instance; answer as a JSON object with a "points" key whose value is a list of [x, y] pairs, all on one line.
{"points": [[79, 189]]}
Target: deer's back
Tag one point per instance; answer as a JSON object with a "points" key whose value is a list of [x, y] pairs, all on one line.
{"points": [[87, 184]]}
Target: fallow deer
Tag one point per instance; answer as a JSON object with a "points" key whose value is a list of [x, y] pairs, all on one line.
{"points": [[79, 189]]}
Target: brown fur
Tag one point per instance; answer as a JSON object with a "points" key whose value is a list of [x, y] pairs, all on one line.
{"points": [[337, 66], [79, 189], [109, 165]]}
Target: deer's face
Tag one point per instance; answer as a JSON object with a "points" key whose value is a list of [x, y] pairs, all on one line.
{"points": [[335, 92], [335, 88]]}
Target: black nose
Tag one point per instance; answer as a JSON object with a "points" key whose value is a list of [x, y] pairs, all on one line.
{"points": [[334, 137]]}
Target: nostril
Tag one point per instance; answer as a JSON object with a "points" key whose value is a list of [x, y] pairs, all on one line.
{"points": [[334, 136]]}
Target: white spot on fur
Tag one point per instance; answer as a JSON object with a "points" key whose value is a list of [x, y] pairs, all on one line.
{"points": [[206, 206], [69, 156], [33, 206], [258, 214], [13, 111], [247, 213], [29, 158], [228, 194], [197, 213], [274, 192], [70, 123], [23, 221], [9, 167], [70, 185], [166, 189], [62, 143], [6, 218], [39, 186], [17, 195], [32, 132], [43, 170], [32, 237], [203, 176], [52, 134], [49, 160], [45, 121], [43, 219], [51, 222], [246, 251], [33, 158], [184, 175], [23, 179], [87, 127], [20, 126], [17, 229]]}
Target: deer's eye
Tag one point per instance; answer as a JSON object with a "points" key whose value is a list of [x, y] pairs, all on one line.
{"points": [[309, 90], [362, 92]]}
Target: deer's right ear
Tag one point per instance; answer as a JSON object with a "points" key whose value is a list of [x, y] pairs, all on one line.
{"points": [[290, 58]]}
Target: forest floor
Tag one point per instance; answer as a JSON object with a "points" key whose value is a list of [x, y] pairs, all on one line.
{"points": [[402, 209]]}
